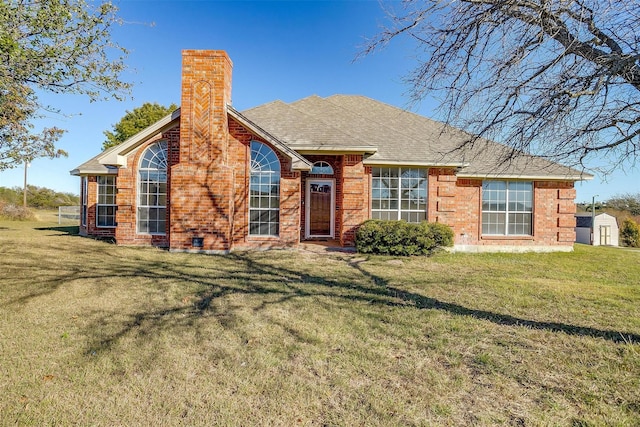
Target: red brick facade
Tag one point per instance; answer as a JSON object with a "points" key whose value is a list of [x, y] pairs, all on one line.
{"points": [[208, 189]]}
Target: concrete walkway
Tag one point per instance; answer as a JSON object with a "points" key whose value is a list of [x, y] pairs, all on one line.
{"points": [[328, 246]]}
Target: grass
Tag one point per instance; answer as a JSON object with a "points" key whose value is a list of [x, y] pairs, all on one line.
{"points": [[96, 334]]}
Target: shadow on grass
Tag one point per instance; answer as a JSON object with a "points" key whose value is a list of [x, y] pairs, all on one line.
{"points": [[249, 274], [71, 230], [428, 303], [381, 293]]}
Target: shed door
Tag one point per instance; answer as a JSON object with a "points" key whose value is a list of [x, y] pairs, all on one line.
{"points": [[605, 235]]}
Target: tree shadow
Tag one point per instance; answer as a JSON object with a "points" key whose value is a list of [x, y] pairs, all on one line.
{"points": [[280, 284], [216, 277], [380, 292], [70, 230]]}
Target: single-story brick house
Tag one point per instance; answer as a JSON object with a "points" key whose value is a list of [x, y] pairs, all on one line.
{"points": [[210, 178]]}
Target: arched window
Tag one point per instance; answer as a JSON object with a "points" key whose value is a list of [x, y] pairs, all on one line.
{"points": [[152, 190], [264, 189], [321, 168]]}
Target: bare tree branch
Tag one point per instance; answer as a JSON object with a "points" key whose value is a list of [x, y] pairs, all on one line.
{"points": [[555, 78]]}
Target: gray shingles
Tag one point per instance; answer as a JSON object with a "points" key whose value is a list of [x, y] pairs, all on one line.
{"points": [[387, 135], [400, 137]]}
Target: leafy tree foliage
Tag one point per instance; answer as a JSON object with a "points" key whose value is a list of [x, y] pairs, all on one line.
{"points": [[630, 233], [556, 78], [58, 46], [38, 197], [135, 121]]}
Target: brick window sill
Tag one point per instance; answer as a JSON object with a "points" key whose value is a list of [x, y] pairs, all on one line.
{"points": [[263, 238], [506, 237]]}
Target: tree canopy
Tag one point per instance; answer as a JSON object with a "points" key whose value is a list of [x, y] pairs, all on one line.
{"points": [[61, 46], [135, 121], [625, 202], [556, 78]]}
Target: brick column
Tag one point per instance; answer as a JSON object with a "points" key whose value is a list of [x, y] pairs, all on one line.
{"points": [[202, 191], [354, 206]]}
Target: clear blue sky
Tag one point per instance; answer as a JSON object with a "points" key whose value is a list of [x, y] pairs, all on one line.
{"points": [[280, 50]]}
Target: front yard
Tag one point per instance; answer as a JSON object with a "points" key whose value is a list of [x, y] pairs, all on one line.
{"points": [[95, 334]]}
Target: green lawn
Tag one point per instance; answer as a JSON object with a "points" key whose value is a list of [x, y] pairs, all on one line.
{"points": [[95, 334]]}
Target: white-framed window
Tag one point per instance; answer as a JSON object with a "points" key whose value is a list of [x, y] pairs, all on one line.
{"points": [[264, 191], [399, 193], [321, 168], [152, 190], [83, 212], [106, 206], [507, 208]]}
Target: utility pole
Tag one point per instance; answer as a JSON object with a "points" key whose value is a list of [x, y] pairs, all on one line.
{"points": [[593, 218], [24, 189]]}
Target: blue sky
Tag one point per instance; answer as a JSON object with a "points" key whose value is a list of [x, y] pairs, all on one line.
{"points": [[280, 50]]}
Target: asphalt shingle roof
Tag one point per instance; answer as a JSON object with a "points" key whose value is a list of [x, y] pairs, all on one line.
{"points": [[386, 135]]}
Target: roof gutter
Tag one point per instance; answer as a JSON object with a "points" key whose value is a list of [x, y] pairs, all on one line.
{"points": [[581, 177], [334, 149], [377, 162]]}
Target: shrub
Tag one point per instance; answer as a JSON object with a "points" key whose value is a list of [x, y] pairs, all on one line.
{"points": [[402, 238], [630, 233], [15, 213]]}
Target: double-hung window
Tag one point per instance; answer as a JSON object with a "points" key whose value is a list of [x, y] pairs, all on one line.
{"points": [[399, 193], [507, 208], [106, 206]]}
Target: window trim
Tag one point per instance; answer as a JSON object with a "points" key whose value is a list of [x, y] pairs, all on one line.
{"points": [[84, 206], [321, 164], [253, 169], [400, 210], [139, 206], [307, 209], [507, 212], [100, 186]]}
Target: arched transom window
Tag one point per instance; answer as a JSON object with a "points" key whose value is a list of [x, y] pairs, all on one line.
{"points": [[152, 190], [264, 188], [321, 168]]}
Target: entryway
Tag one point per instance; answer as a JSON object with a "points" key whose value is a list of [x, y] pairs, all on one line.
{"points": [[320, 208]]}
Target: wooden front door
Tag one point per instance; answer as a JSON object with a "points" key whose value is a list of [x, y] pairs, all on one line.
{"points": [[320, 208]]}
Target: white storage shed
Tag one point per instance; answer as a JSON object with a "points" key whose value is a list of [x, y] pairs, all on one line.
{"points": [[605, 229]]}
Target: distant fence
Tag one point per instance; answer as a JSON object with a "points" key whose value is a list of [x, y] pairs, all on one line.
{"points": [[68, 214]]}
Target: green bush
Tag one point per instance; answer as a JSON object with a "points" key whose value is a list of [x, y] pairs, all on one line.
{"points": [[402, 238], [630, 233]]}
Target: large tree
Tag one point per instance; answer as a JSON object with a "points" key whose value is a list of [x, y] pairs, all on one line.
{"points": [[58, 46], [557, 78], [135, 121]]}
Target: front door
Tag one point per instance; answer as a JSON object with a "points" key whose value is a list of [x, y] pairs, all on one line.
{"points": [[319, 212]]}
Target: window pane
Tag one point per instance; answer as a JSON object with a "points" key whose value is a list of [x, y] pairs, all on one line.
{"points": [[402, 192], [493, 223], [520, 224]]}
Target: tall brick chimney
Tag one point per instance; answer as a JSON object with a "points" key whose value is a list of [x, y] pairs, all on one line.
{"points": [[201, 202]]}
